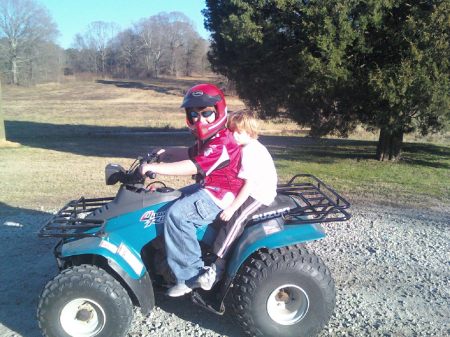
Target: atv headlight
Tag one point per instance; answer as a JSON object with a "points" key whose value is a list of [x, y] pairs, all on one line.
{"points": [[113, 173]]}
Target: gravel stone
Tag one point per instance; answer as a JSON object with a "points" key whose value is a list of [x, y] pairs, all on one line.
{"points": [[390, 265]]}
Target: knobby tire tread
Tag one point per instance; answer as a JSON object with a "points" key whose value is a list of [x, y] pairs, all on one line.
{"points": [[256, 269], [89, 275]]}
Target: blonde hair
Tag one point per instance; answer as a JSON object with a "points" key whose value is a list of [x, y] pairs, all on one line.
{"points": [[244, 120]]}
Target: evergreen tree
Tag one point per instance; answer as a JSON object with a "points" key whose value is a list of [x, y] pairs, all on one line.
{"points": [[334, 64]]}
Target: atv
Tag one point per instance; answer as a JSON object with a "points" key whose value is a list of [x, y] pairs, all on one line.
{"points": [[111, 257]]}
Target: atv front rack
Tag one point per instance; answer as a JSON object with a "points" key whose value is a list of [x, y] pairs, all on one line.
{"points": [[315, 201], [70, 221]]}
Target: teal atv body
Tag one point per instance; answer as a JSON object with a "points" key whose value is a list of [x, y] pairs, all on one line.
{"points": [[111, 257]]}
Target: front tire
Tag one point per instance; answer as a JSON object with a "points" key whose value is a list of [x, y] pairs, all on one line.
{"points": [[284, 292], [84, 301]]}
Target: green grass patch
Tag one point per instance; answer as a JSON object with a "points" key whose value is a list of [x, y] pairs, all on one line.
{"points": [[422, 176]]}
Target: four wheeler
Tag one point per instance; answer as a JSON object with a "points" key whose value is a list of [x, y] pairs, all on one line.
{"points": [[111, 257]]}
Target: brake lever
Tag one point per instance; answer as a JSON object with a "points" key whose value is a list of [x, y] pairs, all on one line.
{"points": [[151, 158], [154, 157]]}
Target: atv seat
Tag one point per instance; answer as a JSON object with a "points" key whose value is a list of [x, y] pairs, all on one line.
{"points": [[280, 206]]}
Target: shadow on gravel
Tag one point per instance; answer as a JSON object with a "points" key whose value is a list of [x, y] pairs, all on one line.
{"points": [[26, 265], [188, 311]]}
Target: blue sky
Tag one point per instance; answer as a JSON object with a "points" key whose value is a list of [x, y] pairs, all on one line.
{"points": [[73, 16]]}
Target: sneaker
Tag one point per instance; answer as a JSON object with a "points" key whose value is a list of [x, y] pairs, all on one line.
{"points": [[178, 290], [209, 278]]}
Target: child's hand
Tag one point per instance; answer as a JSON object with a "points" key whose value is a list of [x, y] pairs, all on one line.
{"points": [[227, 214]]}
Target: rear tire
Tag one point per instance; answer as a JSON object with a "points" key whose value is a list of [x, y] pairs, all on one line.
{"points": [[285, 292], [84, 301]]}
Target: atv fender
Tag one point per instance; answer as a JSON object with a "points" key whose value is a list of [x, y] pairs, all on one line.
{"points": [[124, 256], [125, 263], [271, 234]]}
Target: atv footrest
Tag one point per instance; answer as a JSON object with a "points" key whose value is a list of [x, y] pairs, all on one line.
{"points": [[71, 221], [208, 304]]}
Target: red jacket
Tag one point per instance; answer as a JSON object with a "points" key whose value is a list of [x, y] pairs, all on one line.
{"points": [[218, 161]]}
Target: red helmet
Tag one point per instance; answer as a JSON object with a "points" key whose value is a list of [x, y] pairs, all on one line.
{"points": [[204, 95]]}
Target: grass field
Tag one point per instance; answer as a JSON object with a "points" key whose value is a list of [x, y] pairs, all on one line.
{"points": [[68, 132]]}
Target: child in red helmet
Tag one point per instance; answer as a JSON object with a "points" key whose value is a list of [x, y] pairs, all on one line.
{"points": [[215, 159]]}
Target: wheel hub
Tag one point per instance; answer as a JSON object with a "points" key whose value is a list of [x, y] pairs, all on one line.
{"points": [[82, 317], [85, 314], [288, 304]]}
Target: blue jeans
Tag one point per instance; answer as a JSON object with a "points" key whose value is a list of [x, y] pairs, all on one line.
{"points": [[194, 209]]}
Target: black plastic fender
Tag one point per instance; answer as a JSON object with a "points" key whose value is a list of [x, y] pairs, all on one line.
{"points": [[142, 288]]}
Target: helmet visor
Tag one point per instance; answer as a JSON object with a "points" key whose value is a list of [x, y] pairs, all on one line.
{"points": [[199, 99]]}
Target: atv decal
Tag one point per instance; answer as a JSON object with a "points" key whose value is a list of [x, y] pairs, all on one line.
{"points": [[150, 217], [109, 246], [270, 228], [271, 214], [129, 257]]}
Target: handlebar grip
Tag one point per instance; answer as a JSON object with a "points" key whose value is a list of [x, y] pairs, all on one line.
{"points": [[151, 175]]}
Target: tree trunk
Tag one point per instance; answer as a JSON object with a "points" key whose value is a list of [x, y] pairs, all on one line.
{"points": [[14, 70], [103, 60], [2, 119], [389, 145], [31, 73]]}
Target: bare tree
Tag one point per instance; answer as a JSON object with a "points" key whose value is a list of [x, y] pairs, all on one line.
{"points": [[151, 34], [179, 28], [187, 50], [204, 62], [125, 48], [24, 25], [165, 39], [93, 46], [193, 53], [85, 57], [98, 36]]}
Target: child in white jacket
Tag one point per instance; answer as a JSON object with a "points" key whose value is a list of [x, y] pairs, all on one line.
{"points": [[259, 174]]}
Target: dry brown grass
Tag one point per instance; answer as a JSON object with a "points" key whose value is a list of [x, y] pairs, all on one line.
{"points": [[5, 144], [93, 104], [62, 152], [69, 131], [152, 104], [149, 104]]}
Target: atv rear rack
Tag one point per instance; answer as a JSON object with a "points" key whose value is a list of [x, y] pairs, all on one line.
{"points": [[70, 221], [316, 202]]}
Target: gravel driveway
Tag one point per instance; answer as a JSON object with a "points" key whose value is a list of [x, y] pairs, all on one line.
{"points": [[391, 268]]}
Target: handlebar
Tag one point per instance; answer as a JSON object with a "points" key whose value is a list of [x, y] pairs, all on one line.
{"points": [[115, 173], [151, 158]]}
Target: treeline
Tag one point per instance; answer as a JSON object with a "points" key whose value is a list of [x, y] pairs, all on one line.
{"points": [[166, 43], [163, 44]]}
